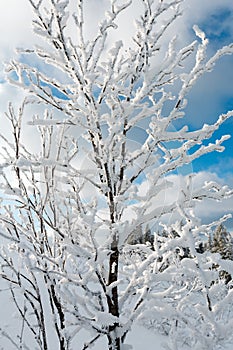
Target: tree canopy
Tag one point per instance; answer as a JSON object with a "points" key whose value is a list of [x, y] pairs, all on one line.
{"points": [[69, 209]]}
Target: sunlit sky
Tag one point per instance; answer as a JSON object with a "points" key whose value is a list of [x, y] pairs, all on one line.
{"points": [[212, 95]]}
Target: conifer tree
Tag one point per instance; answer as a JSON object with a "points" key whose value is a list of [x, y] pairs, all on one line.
{"points": [[222, 242]]}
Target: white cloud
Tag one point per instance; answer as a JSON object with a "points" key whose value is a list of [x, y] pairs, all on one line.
{"points": [[211, 210], [206, 210], [15, 28]]}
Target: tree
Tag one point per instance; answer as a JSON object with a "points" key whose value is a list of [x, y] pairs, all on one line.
{"points": [[69, 208], [141, 236], [221, 242]]}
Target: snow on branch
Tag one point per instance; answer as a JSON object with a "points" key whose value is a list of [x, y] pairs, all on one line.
{"points": [[97, 235]]}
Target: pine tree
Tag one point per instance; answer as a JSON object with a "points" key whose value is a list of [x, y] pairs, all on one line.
{"points": [[136, 237], [141, 236], [222, 243], [149, 236]]}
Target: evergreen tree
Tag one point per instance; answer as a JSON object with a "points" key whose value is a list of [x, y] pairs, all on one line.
{"points": [[136, 237], [222, 243], [141, 236], [149, 236]]}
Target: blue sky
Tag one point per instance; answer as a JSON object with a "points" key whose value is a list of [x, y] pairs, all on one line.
{"points": [[212, 95]]}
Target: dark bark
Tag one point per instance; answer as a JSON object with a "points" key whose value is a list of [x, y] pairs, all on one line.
{"points": [[114, 342], [61, 316]]}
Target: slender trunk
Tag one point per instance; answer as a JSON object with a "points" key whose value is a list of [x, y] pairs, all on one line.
{"points": [[114, 342], [61, 326], [43, 328]]}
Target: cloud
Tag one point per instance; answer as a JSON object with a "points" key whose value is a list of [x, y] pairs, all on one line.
{"points": [[15, 24], [206, 210], [30, 137], [210, 210], [16, 16]]}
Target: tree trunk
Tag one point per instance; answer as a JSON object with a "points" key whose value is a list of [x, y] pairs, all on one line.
{"points": [[114, 342]]}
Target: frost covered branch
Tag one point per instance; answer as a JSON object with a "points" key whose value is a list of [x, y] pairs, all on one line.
{"points": [[73, 200]]}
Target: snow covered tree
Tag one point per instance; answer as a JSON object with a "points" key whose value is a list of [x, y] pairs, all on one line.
{"points": [[69, 208], [222, 242], [141, 236]]}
